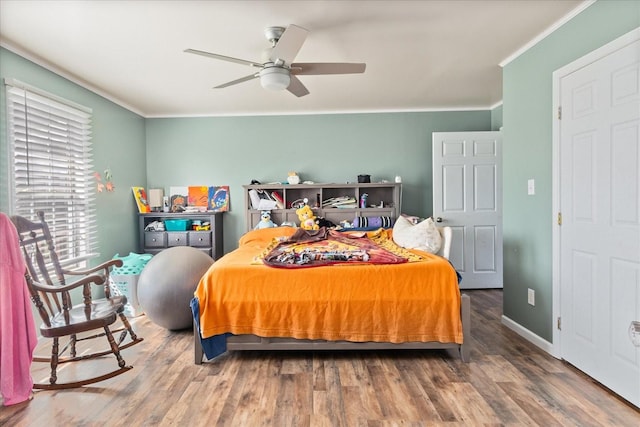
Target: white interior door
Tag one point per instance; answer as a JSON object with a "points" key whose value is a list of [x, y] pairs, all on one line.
{"points": [[467, 196], [599, 237]]}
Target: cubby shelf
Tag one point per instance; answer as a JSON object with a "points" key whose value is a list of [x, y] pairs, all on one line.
{"points": [[383, 199]]}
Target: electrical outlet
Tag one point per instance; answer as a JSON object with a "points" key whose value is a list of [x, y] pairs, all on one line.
{"points": [[531, 297], [531, 187]]}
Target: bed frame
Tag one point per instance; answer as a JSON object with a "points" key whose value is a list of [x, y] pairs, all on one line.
{"points": [[254, 342]]}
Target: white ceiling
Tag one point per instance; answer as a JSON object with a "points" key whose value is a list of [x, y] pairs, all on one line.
{"points": [[420, 55]]}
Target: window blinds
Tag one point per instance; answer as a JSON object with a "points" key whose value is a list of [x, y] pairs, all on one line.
{"points": [[50, 144]]}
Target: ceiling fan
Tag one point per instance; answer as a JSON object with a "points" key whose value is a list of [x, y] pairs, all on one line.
{"points": [[278, 71]]}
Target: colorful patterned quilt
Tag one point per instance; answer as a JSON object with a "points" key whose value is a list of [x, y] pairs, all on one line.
{"points": [[314, 248]]}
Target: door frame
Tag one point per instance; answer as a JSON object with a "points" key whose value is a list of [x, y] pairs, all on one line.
{"points": [[595, 55]]}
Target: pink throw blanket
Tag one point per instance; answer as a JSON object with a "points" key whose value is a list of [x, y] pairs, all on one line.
{"points": [[18, 337]]}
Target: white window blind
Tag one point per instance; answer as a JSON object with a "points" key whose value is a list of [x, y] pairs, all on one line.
{"points": [[50, 144]]}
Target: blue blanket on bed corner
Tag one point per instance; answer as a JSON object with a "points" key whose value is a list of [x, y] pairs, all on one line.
{"points": [[213, 346]]}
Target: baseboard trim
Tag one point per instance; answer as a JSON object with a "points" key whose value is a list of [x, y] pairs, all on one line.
{"points": [[528, 335]]}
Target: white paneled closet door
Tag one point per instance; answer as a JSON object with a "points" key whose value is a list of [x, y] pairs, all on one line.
{"points": [[599, 236]]}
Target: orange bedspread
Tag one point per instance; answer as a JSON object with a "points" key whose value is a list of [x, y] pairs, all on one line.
{"points": [[415, 301]]}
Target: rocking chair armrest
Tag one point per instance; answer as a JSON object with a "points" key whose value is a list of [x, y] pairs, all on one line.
{"points": [[104, 266], [95, 279]]}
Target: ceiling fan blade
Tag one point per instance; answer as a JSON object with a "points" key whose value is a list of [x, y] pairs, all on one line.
{"points": [[240, 80], [310, 68], [297, 88], [223, 58], [289, 44]]}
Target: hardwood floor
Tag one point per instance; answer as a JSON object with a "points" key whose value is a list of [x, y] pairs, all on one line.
{"points": [[508, 382]]}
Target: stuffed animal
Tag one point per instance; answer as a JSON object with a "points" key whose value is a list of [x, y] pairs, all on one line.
{"points": [[265, 221], [293, 178], [307, 218]]}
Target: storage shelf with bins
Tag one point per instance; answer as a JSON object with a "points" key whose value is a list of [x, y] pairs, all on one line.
{"points": [[383, 199], [208, 241]]}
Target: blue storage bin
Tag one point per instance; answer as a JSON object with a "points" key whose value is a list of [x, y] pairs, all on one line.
{"points": [[177, 224]]}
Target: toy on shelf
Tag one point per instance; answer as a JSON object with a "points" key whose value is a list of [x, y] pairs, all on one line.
{"points": [[293, 178], [265, 221], [307, 218]]}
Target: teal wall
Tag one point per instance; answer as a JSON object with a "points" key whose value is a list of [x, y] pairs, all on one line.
{"points": [[496, 118], [527, 116], [118, 143], [321, 148]]}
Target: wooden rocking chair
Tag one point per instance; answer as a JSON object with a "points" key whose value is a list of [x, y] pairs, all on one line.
{"points": [[60, 317]]}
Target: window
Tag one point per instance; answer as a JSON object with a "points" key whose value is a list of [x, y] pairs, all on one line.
{"points": [[50, 143]]}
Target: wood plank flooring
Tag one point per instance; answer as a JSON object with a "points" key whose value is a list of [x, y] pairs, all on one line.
{"points": [[508, 382]]}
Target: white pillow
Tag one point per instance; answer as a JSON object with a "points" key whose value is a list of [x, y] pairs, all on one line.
{"points": [[423, 236]]}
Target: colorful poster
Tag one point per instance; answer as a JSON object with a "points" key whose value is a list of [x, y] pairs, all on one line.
{"points": [[178, 198], [140, 197], [198, 196], [218, 198]]}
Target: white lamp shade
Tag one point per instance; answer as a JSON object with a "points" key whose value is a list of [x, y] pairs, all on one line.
{"points": [[275, 78], [155, 197]]}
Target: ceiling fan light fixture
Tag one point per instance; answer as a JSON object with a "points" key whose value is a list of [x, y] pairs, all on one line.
{"points": [[278, 62], [275, 78]]}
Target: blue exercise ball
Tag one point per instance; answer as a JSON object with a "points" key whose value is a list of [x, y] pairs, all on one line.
{"points": [[167, 283]]}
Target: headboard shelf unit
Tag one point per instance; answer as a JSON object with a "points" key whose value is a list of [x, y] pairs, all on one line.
{"points": [[334, 202]]}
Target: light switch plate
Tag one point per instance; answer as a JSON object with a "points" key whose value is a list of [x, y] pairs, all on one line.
{"points": [[531, 187]]}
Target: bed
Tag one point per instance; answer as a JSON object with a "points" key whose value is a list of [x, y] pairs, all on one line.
{"points": [[243, 304]]}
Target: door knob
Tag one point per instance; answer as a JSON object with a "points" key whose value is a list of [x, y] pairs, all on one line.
{"points": [[439, 219], [634, 332]]}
